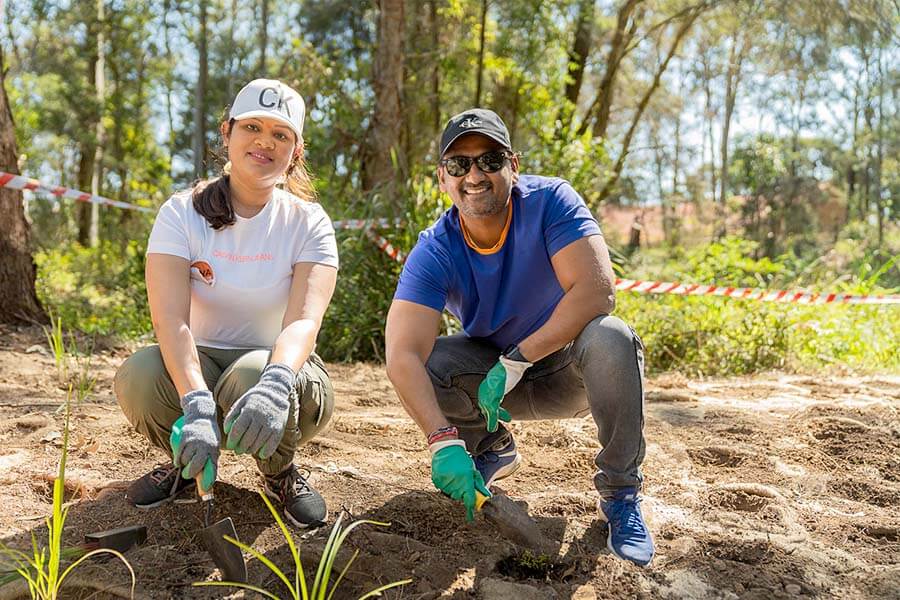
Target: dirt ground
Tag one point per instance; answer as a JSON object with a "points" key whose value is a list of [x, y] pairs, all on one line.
{"points": [[778, 485]]}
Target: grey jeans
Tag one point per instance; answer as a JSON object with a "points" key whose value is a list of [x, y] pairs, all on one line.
{"points": [[600, 372], [151, 404]]}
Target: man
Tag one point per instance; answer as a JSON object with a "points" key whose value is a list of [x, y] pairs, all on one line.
{"points": [[520, 260]]}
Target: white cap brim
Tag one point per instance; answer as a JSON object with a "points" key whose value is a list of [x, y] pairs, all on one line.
{"points": [[267, 114]]}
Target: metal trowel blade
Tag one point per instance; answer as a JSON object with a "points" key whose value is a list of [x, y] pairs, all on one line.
{"points": [[225, 555], [514, 523]]}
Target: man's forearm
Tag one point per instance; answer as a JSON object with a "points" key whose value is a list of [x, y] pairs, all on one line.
{"points": [[414, 387], [578, 307]]}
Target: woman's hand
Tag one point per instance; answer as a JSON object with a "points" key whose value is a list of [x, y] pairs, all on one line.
{"points": [[200, 438], [256, 422]]}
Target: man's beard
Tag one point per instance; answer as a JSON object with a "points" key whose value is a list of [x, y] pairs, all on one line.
{"points": [[486, 206]]}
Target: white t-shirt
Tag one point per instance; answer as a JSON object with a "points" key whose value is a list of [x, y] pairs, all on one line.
{"points": [[241, 275]]}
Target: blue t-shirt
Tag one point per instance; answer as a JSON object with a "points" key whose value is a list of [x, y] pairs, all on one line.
{"points": [[503, 297]]}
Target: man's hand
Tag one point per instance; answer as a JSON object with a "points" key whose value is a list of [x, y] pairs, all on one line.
{"points": [[256, 422], [499, 381], [199, 437], [454, 473]]}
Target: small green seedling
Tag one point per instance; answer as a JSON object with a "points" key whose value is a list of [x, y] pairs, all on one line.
{"points": [[57, 345], [41, 570], [299, 589]]}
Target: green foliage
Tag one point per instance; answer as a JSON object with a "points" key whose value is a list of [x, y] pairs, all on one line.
{"points": [[96, 290], [300, 589], [41, 570], [82, 380], [56, 343], [725, 336], [354, 325]]}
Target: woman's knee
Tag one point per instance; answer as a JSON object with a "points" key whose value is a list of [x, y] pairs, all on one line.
{"points": [[239, 377], [315, 395], [142, 384]]}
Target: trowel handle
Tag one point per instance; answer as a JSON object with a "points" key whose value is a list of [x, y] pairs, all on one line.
{"points": [[208, 474], [480, 499], [207, 478]]}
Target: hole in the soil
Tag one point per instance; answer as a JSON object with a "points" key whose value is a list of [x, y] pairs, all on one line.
{"points": [[738, 500], [719, 456], [527, 565], [891, 534], [44, 489]]}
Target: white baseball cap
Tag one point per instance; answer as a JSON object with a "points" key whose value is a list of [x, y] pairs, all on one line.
{"points": [[270, 98]]}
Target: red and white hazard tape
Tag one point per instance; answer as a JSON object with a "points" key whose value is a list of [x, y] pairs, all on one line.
{"points": [[19, 182], [385, 246], [696, 289], [796, 296]]}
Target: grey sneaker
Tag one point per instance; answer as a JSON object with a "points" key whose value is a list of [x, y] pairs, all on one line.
{"points": [[163, 484], [303, 505]]}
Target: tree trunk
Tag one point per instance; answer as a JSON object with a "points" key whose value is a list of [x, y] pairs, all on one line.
{"points": [[581, 49], [479, 74], [169, 78], [605, 93], [736, 55], [200, 100], [232, 77], [710, 120], [87, 147], [18, 300], [387, 121], [100, 86], [645, 100], [879, 146], [436, 68], [263, 36]]}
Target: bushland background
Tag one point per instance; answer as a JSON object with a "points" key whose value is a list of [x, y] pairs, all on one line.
{"points": [[734, 142], [755, 142]]}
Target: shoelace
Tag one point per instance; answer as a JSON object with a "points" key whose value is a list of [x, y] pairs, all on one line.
{"points": [[161, 473], [487, 457], [630, 508], [296, 483]]}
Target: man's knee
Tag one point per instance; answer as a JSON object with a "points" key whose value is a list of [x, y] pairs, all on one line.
{"points": [[608, 341]]}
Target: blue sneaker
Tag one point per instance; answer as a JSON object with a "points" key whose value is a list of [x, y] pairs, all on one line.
{"points": [[628, 537], [497, 463]]}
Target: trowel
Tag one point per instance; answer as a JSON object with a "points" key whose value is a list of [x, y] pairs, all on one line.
{"points": [[513, 522], [226, 556]]}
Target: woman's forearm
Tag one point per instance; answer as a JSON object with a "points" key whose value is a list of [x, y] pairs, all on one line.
{"points": [[176, 343], [295, 343]]}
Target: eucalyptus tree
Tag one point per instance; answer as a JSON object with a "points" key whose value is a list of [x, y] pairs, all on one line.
{"points": [[18, 300]]}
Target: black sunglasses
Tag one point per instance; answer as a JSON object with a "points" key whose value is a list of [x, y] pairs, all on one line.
{"points": [[489, 162]]}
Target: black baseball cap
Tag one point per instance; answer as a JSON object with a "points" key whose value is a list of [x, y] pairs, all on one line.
{"points": [[476, 120]]}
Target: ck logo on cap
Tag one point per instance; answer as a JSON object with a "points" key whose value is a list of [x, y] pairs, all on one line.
{"points": [[471, 122], [271, 97]]}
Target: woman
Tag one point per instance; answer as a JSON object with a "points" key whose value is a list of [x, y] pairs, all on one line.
{"points": [[239, 275]]}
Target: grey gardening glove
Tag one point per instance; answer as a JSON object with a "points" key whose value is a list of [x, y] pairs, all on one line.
{"points": [[256, 422], [200, 436]]}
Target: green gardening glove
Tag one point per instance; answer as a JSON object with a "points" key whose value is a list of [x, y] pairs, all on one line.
{"points": [[208, 477], [499, 381], [454, 473]]}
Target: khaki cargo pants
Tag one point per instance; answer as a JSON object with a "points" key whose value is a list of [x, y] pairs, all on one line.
{"points": [[151, 404]]}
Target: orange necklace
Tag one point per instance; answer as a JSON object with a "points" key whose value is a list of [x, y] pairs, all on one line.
{"points": [[496, 247]]}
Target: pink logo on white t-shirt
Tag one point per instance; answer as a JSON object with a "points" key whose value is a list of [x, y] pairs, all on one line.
{"points": [[242, 258]]}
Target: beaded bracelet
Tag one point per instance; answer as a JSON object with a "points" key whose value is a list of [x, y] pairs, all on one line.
{"points": [[443, 433]]}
